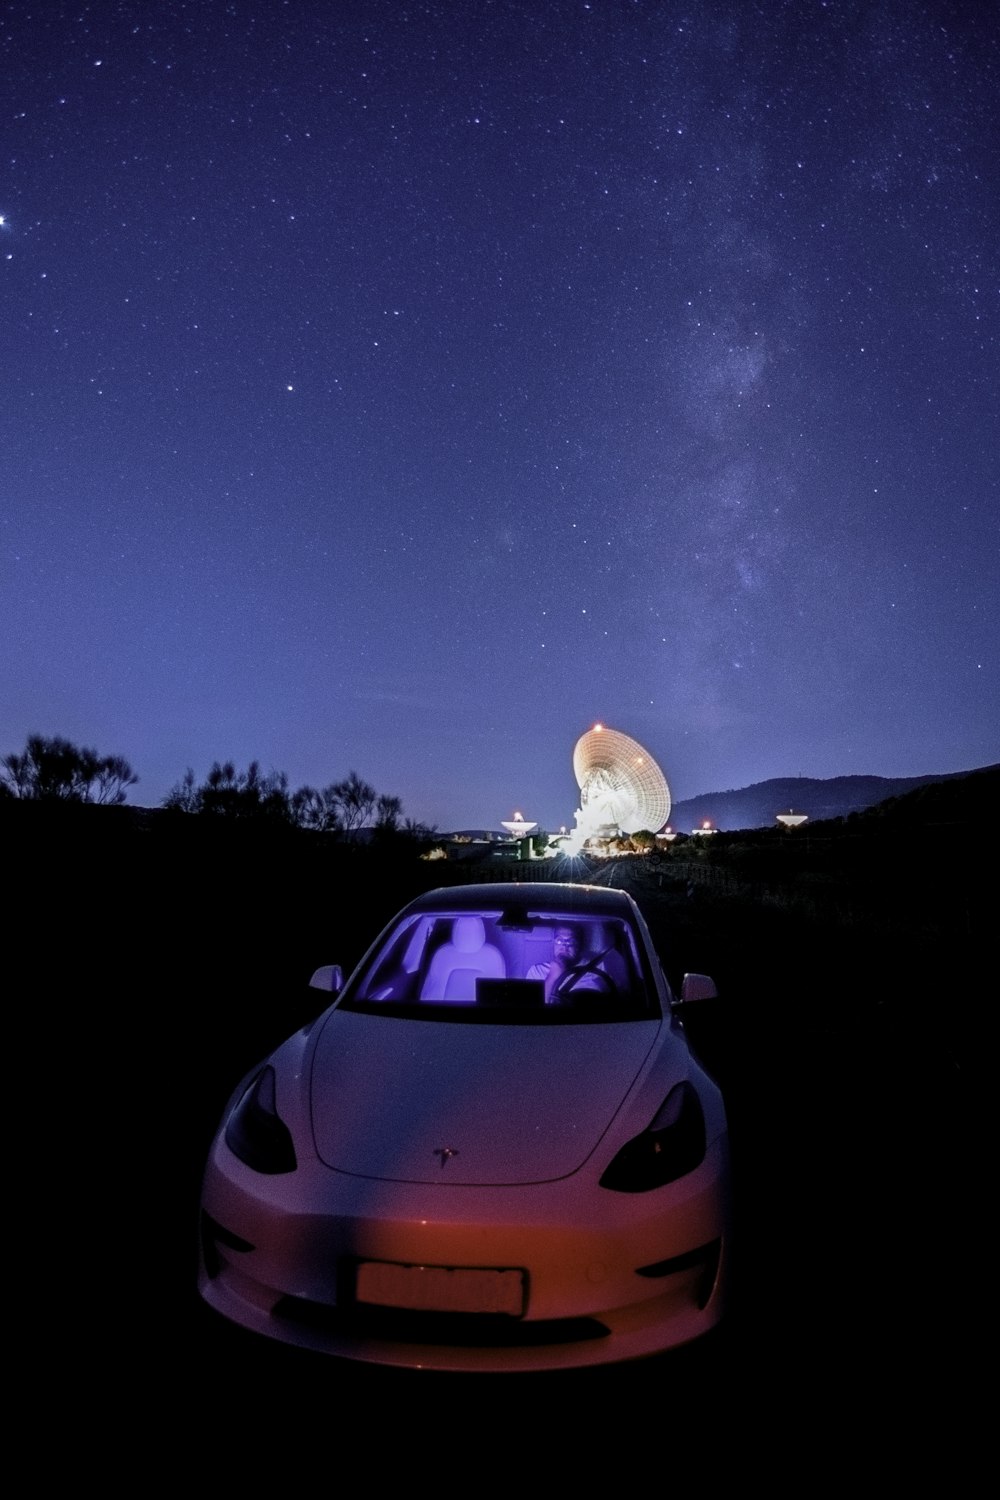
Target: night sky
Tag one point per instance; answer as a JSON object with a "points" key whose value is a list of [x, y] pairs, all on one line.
{"points": [[402, 387]]}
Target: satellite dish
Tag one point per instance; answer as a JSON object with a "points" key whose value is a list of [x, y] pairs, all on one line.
{"points": [[517, 827], [621, 785]]}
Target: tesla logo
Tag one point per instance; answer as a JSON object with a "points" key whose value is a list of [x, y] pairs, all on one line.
{"points": [[446, 1153]]}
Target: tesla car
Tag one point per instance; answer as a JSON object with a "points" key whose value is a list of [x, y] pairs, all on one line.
{"points": [[494, 1150]]}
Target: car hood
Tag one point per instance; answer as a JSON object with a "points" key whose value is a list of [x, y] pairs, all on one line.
{"points": [[392, 1098]]}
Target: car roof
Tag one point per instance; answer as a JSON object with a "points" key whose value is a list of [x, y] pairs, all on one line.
{"points": [[549, 896]]}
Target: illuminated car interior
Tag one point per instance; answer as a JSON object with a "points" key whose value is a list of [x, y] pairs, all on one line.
{"points": [[512, 965]]}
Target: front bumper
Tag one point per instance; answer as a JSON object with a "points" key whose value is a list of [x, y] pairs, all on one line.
{"points": [[607, 1276]]}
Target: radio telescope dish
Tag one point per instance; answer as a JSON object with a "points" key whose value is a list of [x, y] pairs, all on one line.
{"points": [[621, 786]]}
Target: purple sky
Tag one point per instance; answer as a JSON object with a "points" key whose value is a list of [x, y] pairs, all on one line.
{"points": [[403, 387]]}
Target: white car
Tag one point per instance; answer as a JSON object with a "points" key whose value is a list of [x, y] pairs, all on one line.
{"points": [[494, 1151]]}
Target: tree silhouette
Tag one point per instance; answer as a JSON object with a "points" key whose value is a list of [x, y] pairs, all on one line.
{"points": [[114, 774], [346, 806], [56, 770], [356, 800], [319, 811], [388, 811], [342, 808], [228, 793], [184, 797]]}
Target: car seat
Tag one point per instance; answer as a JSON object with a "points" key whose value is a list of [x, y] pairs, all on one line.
{"points": [[457, 965]]}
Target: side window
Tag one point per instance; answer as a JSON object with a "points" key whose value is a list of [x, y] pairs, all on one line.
{"points": [[394, 973]]}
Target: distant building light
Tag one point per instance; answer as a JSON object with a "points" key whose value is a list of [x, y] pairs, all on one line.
{"points": [[792, 819]]}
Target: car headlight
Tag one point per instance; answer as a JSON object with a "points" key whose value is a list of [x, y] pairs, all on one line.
{"points": [[672, 1146], [256, 1134]]}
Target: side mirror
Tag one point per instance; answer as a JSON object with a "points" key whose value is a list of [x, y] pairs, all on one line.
{"points": [[329, 977], [698, 987]]}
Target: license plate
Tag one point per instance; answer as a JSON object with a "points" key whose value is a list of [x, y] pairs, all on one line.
{"points": [[441, 1288]]}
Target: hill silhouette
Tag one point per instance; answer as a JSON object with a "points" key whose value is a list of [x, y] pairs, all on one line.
{"points": [[837, 797]]}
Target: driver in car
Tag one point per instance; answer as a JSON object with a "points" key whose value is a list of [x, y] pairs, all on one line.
{"points": [[568, 971]]}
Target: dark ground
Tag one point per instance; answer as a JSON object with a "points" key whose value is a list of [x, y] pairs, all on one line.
{"points": [[164, 968]]}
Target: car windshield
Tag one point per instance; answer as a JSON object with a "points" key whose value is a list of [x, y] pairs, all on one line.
{"points": [[523, 967]]}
